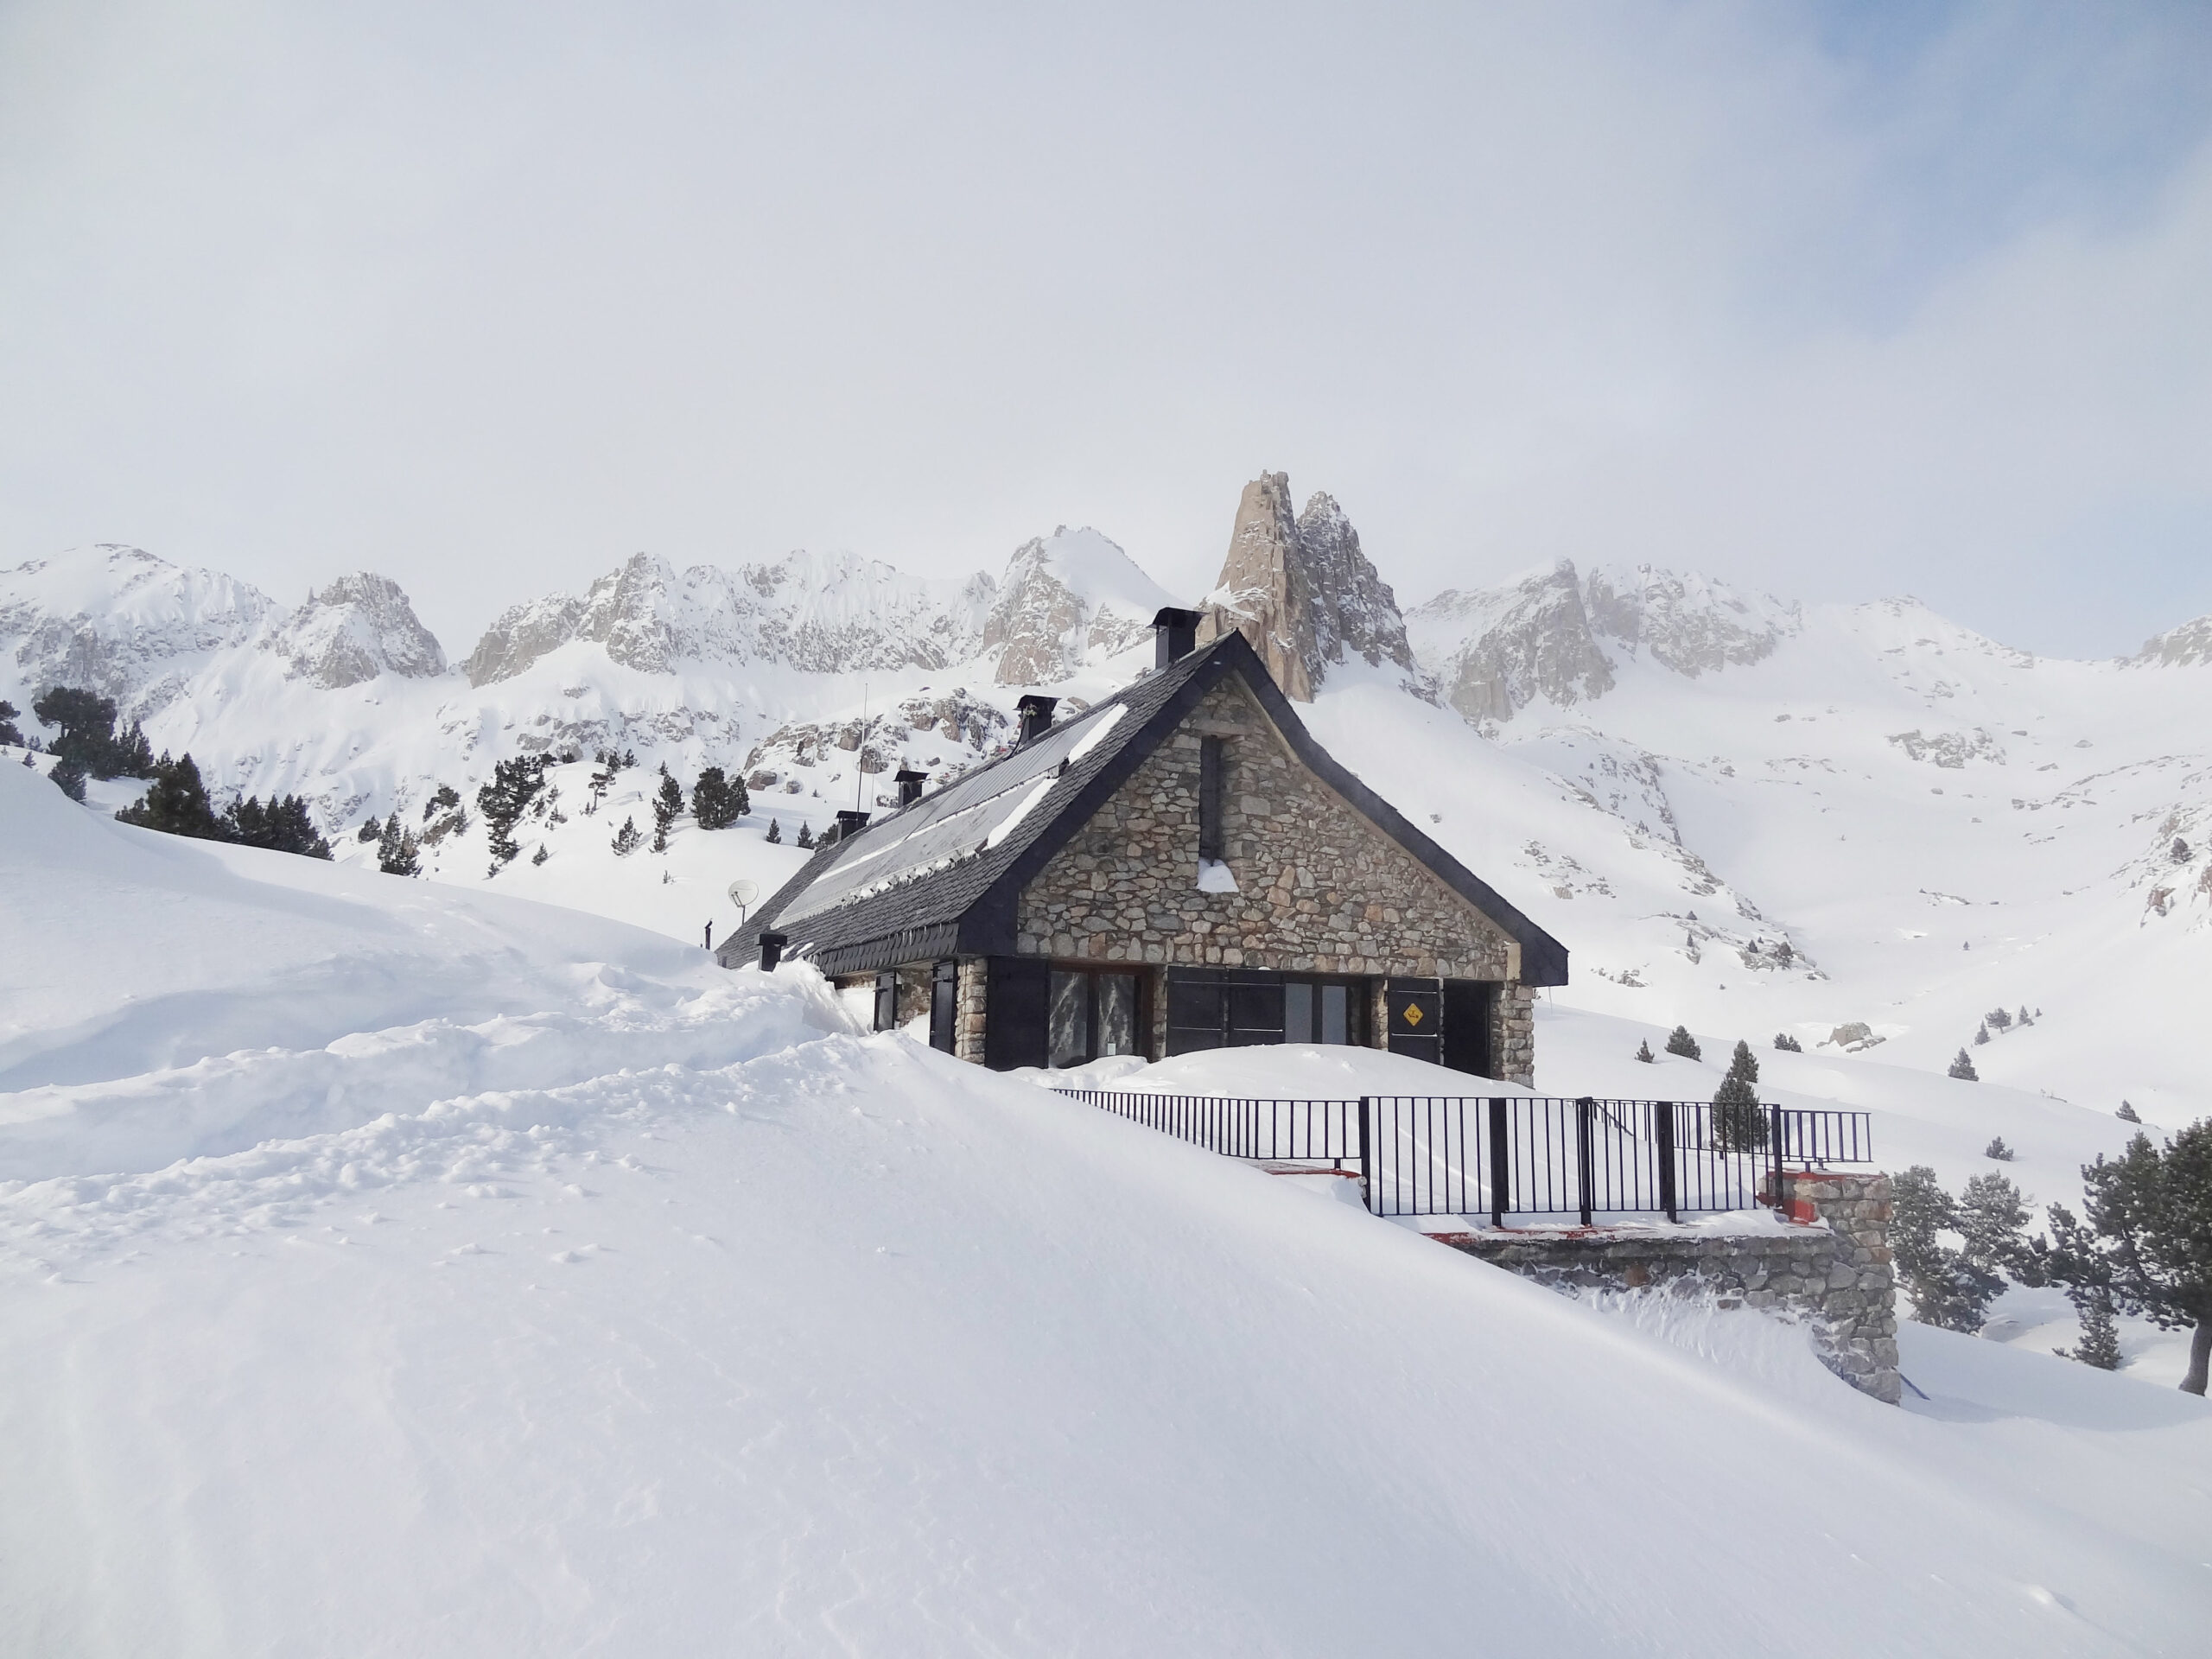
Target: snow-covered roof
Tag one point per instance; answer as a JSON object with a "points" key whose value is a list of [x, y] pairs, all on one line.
{"points": [[939, 877]]}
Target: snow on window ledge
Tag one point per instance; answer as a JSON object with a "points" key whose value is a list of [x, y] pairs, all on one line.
{"points": [[1214, 877]]}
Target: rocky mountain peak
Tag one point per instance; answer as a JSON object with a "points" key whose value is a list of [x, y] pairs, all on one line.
{"points": [[1494, 651], [1063, 597], [2186, 647], [1300, 589], [358, 627], [1689, 623]]}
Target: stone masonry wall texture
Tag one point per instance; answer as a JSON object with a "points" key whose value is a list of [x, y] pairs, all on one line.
{"points": [[1320, 890], [1835, 1277]]}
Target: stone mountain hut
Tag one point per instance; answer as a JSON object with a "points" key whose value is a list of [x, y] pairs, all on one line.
{"points": [[1180, 868]]}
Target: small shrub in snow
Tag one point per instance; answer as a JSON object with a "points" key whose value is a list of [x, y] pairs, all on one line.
{"points": [[2100, 1343], [1980, 1035], [2127, 1114], [627, 839], [1788, 1044], [1999, 1150], [805, 836], [541, 854], [370, 829], [68, 776], [1962, 1069], [1679, 1041], [775, 832], [1644, 1052]]}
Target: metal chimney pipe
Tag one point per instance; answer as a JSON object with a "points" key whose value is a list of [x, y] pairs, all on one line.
{"points": [[1036, 716], [850, 822], [772, 949], [910, 783]]}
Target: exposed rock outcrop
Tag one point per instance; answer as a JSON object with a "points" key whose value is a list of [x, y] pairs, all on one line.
{"points": [[1545, 636], [1065, 597], [116, 621], [822, 614], [1494, 651], [1300, 589], [359, 626], [2186, 647]]}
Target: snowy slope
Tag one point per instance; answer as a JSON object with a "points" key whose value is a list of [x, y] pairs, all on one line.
{"points": [[631, 1306]]}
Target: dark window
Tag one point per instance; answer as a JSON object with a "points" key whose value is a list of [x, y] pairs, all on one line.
{"points": [[1017, 1001], [1226, 1007], [1210, 760], [887, 1001], [1093, 1015]]}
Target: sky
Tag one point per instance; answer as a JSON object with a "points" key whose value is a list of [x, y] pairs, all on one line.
{"points": [[1837, 301]]}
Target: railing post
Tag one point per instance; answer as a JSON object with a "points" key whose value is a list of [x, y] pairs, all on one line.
{"points": [[1501, 1164], [1586, 1114], [1662, 1141], [1774, 1135], [1366, 1168]]}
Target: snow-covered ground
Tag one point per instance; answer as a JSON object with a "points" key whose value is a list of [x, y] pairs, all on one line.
{"points": [[394, 1266]]}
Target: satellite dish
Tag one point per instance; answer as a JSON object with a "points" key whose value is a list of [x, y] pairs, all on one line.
{"points": [[741, 894]]}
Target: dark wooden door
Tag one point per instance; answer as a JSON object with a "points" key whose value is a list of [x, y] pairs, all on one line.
{"points": [[1414, 1012]]}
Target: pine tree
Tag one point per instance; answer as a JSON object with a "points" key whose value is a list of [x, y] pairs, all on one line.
{"points": [[1998, 1150], [10, 731], [2146, 1236], [371, 829], [1981, 1035], [1788, 1044], [2099, 1344], [805, 836], [1946, 1288], [1737, 1123], [668, 803], [1999, 1018], [541, 854], [68, 776], [775, 832], [397, 852], [1644, 1052], [627, 839], [717, 801], [2127, 1114], [285, 825], [176, 803], [1992, 1218], [1962, 1069], [445, 800], [1679, 1041], [506, 798]]}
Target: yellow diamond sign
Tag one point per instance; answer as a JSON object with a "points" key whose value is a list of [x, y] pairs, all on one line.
{"points": [[1413, 1013]]}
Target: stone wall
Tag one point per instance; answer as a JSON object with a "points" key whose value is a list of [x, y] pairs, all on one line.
{"points": [[973, 989], [1320, 889], [1832, 1271]]}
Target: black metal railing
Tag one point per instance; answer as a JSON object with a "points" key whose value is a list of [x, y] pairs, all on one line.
{"points": [[1273, 1131], [1530, 1155]]}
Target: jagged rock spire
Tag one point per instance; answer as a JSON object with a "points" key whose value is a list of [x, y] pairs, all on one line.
{"points": [[1302, 591]]}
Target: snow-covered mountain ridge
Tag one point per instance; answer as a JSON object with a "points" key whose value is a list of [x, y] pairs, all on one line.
{"points": [[1736, 810]]}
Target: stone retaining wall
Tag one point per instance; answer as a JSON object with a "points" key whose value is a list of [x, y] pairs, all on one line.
{"points": [[1832, 1270]]}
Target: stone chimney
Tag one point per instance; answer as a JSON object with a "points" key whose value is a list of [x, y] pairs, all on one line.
{"points": [[910, 783]]}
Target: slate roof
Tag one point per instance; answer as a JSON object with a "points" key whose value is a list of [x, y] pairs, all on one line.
{"points": [[940, 878]]}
